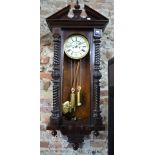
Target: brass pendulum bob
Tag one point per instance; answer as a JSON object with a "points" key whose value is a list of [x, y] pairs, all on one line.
{"points": [[72, 99], [66, 107], [79, 96]]}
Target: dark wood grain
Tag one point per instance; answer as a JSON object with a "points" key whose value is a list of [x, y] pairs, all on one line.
{"points": [[88, 115], [93, 19], [82, 112]]}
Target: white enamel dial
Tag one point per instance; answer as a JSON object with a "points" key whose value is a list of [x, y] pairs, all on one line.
{"points": [[76, 47]]}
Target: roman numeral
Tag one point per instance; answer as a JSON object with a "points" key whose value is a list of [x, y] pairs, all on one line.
{"points": [[72, 40], [68, 50]]}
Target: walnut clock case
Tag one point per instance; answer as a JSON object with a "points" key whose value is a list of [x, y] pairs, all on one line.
{"points": [[76, 73]]}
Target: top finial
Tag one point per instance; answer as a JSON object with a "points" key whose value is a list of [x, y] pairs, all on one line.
{"points": [[77, 6]]}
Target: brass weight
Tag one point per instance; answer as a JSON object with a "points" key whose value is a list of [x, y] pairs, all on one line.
{"points": [[72, 99], [79, 96], [75, 100]]}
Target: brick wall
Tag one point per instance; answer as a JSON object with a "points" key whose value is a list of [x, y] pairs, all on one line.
{"points": [[58, 145]]}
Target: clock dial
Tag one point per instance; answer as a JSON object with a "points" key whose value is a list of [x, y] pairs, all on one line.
{"points": [[76, 47]]}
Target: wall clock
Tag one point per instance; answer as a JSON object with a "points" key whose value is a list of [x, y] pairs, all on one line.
{"points": [[76, 73]]}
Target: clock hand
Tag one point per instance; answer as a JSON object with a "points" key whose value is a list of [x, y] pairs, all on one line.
{"points": [[81, 43]]}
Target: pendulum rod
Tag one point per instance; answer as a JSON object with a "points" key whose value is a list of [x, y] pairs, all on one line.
{"points": [[72, 95], [79, 88], [76, 72]]}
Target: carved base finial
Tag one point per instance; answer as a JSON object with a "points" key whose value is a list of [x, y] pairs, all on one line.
{"points": [[54, 133], [75, 146], [96, 133]]}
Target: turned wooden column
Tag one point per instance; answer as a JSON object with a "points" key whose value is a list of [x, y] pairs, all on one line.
{"points": [[96, 86], [56, 77]]}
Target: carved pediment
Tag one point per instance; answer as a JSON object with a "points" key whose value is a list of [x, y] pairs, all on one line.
{"points": [[91, 20]]}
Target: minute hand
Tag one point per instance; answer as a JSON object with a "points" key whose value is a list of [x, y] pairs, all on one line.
{"points": [[81, 43]]}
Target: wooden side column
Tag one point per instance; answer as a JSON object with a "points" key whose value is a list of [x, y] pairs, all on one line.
{"points": [[96, 84], [56, 113]]}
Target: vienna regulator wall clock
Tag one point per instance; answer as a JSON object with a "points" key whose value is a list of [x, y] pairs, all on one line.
{"points": [[76, 73]]}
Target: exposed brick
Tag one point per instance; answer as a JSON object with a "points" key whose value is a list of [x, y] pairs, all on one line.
{"points": [[109, 55], [45, 94], [45, 136], [47, 152], [96, 144], [44, 144], [101, 100], [83, 14], [45, 102], [104, 92], [46, 85], [56, 145], [72, 4], [102, 135], [44, 60], [69, 145], [104, 100], [45, 75], [42, 127], [45, 117], [46, 109], [59, 4], [45, 40]]}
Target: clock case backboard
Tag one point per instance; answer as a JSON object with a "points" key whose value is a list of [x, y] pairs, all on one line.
{"points": [[82, 113], [92, 28]]}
